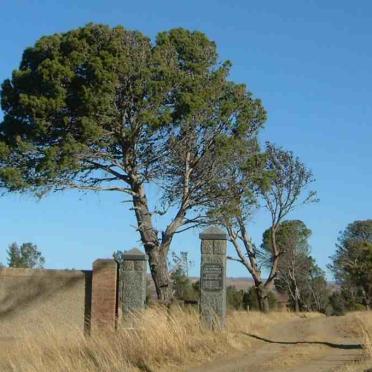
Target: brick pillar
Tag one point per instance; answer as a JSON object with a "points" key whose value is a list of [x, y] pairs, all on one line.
{"points": [[104, 295]]}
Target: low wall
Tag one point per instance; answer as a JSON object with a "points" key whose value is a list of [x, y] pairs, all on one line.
{"points": [[31, 300]]}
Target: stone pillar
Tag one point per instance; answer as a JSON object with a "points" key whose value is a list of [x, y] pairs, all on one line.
{"points": [[104, 309], [213, 277], [133, 281]]}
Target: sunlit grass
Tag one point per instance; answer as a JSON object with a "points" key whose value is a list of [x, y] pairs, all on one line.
{"points": [[151, 340]]}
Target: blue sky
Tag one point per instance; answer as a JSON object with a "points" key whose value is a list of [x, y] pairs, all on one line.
{"points": [[309, 61]]}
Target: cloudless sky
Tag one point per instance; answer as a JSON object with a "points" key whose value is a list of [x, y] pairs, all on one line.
{"points": [[309, 61]]}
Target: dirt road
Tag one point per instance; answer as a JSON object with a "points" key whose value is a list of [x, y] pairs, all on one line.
{"points": [[302, 345]]}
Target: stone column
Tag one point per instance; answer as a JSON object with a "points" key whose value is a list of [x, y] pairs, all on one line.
{"points": [[213, 277], [133, 281], [104, 295]]}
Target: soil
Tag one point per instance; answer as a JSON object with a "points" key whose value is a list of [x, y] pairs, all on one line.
{"points": [[301, 345]]}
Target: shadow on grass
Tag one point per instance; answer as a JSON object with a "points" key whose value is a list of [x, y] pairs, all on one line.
{"points": [[330, 344]]}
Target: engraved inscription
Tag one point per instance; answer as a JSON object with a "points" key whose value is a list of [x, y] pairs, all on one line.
{"points": [[212, 277]]}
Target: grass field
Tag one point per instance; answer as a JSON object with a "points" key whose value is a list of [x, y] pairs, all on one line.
{"points": [[156, 340]]}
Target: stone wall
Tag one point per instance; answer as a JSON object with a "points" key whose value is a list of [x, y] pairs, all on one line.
{"points": [[31, 300]]}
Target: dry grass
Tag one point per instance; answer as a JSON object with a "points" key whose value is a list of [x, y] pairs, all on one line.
{"points": [[367, 336], [155, 339], [364, 320]]}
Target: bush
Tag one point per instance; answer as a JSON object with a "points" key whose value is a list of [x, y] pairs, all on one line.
{"points": [[184, 289], [336, 304], [250, 301], [234, 298]]}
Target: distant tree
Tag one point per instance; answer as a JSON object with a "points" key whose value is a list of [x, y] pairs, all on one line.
{"points": [[353, 297], [277, 179], [234, 298], [336, 304], [106, 109], [182, 286], [250, 299], [25, 256], [294, 265], [352, 262], [298, 274], [315, 291], [181, 261], [118, 256]]}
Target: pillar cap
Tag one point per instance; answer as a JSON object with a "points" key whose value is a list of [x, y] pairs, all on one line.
{"points": [[104, 261], [213, 233], [134, 254]]}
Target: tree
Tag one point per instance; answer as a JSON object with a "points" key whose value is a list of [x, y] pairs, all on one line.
{"points": [[316, 292], [234, 298], [352, 262], [294, 265], [277, 179], [298, 274], [182, 286], [105, 109], [25, 256], [250, 299], [336, 304]]}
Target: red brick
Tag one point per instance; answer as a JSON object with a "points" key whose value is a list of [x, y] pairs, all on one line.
{"points": [[104, 295]]}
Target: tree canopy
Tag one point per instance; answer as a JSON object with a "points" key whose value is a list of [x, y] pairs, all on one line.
{"points": [[25, 256], [106, 109], [275, 179], [352, 262], [298, 274]]}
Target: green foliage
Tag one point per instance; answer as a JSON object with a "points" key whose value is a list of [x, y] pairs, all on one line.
{"points": [[25, 256], [298, 274], [247, 178], [106, 109], [288, 177], [118, 256], [315, 293], [291, 236], [250, 300], [234, 298], [336, 304], [352, 262], [183, 288], [97, 98]]}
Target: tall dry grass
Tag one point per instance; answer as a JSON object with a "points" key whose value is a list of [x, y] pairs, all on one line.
{"points": [[366, 326], [364, 320], [156, 339]]}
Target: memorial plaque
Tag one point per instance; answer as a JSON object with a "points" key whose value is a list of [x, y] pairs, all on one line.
{"points": [[212, 277], [133, 281]]}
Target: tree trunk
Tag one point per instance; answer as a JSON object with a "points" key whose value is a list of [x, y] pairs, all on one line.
{"points": [[159, 271], [366, 298], [156, 252], [297, 300], [262, 298]]}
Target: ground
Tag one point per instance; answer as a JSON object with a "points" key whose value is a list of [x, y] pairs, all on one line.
{"points": [[173, 339], [303, 345]]}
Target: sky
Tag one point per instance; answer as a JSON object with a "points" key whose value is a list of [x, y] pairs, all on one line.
{"points": [[308, 60]]}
